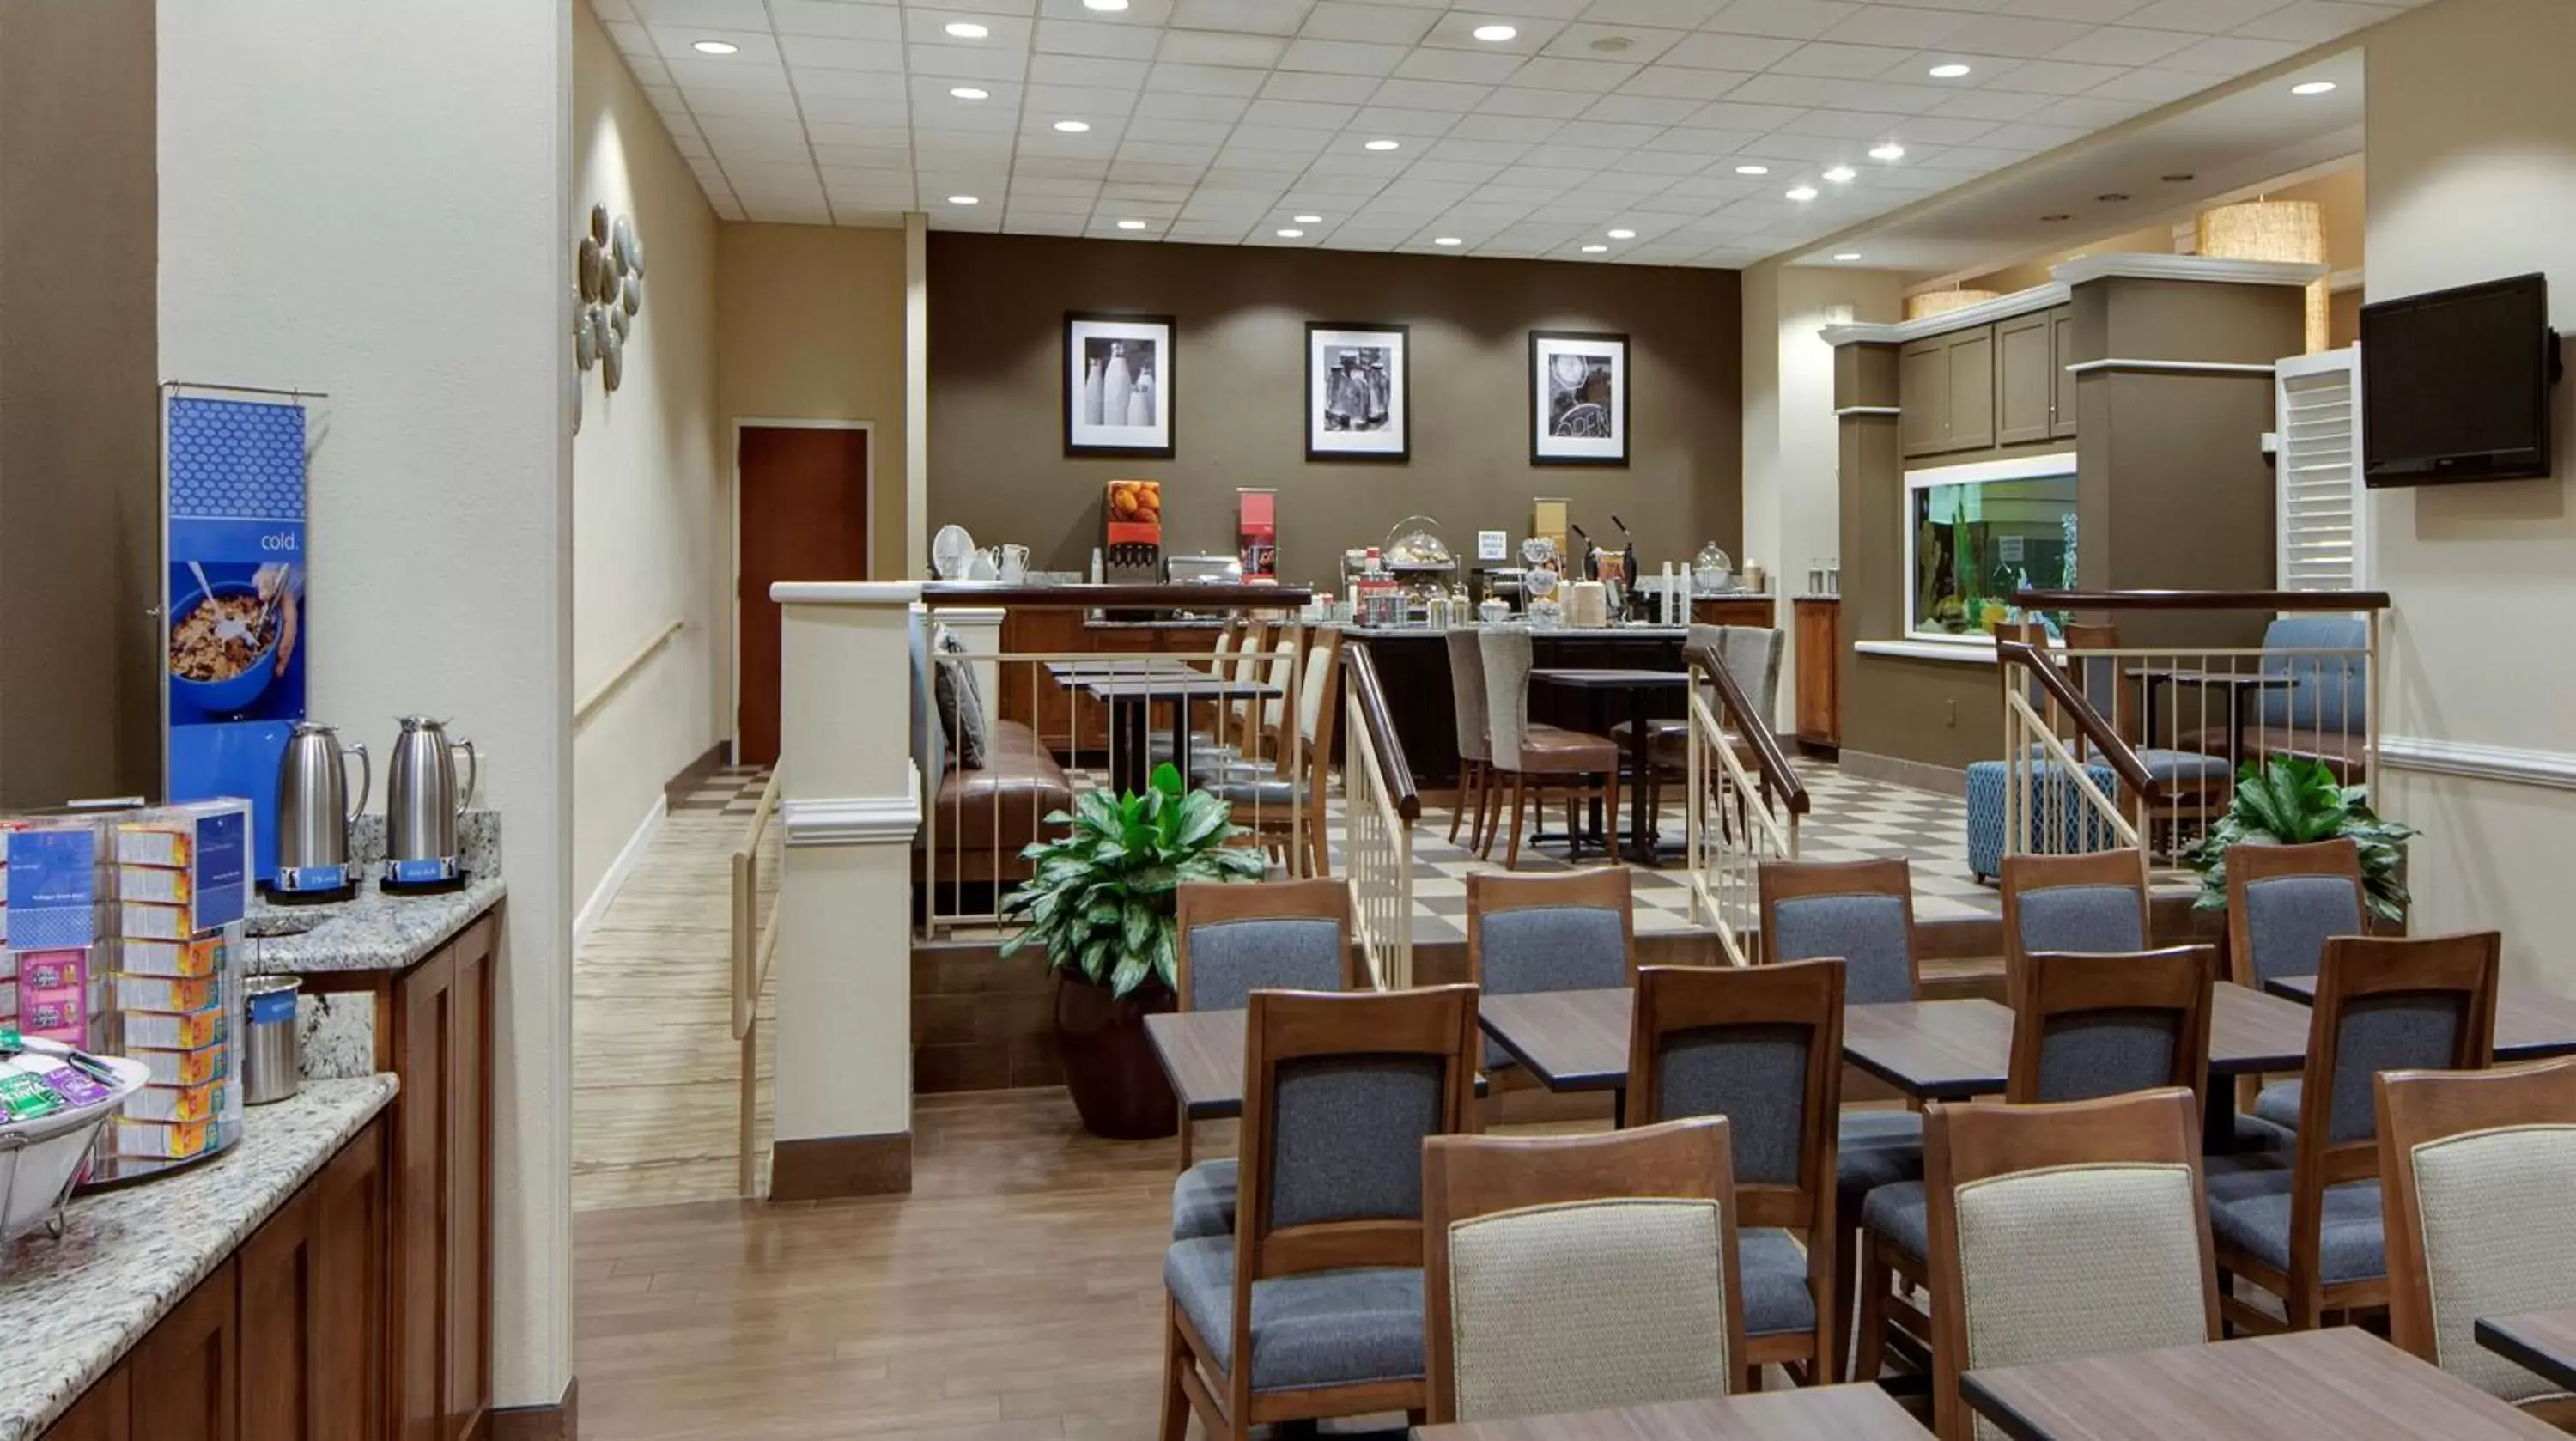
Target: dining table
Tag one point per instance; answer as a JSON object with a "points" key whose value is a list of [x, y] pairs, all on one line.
{"points": [[2236, 683], [2340, 1382], [1131, 689], [1643, 843], [2541, 1342], [2530, 1024], [1813, 1413]]}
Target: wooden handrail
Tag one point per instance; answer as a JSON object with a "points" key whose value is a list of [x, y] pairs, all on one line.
{"points": [[2104, 737], [1777, 773], [2289, 600], [625, 671], [1381, 732]]}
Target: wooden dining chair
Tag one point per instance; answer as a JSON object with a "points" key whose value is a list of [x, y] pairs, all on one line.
{"points": [[2062, 1231], [2091, 902], [1539, 757], [1232, 940], [2477, 1168], [2085, 1027], [1340, 1091], [1475, 748], [1282, 801], [1564, 932], [1567, 1273], [2283, 904], [1762, 1047], [2306, 1225]]}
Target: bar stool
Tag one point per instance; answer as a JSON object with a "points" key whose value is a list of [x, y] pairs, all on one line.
{"points": [[1475, 754], [1542, 756]]}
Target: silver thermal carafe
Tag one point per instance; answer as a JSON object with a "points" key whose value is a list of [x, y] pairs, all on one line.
{"points": [[314, 813], [423, 803]]}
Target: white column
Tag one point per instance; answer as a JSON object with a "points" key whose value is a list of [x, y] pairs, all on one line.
{"points": [[916, 394], [849, 805]]}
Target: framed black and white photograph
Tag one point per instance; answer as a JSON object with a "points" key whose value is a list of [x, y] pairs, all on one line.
{"points": [[1578, 398], [1118, 394], [1359, 388]]}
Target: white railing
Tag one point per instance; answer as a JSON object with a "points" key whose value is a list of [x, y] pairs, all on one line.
{"points": [[755, 945], [2054, 803], [1377, 834], [1737, 821]]}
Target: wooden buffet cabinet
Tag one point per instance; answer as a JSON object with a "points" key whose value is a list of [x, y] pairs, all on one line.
{"points": [[362, 1309], [1820, 650]]}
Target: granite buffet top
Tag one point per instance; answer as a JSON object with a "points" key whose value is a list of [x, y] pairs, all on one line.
{"points": [[71, 1307], [372, 932], [1611, 632]]}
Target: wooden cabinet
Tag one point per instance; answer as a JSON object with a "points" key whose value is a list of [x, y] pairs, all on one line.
{"points": [[2025, 390], [104, 1413], [186, 1372], [313, 1306], [1031, 696], [1747, 610], [1946, 392], [1819, 633], [2061, 354], [1971, 357], [442, 1215]]}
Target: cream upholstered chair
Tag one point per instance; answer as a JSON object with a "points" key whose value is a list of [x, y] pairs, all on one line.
{"points": [[1562, 1273], [1475, 751], [2477, 1168], [1538, 757], [2063, 1231]]}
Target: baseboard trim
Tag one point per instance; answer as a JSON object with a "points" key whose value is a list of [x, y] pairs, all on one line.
{"points": [[823, 1168], [558, 1422], [629, 857], [2553, 770], [1921, 775]]}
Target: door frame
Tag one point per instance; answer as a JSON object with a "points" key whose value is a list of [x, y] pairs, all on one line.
{"points": [[733, 592]]}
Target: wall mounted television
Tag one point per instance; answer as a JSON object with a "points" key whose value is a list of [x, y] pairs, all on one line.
{"points": [[2455, 384]]}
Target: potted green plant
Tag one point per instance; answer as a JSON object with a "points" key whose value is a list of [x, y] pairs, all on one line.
{"points": [[2296, 801], [1100, 902]]}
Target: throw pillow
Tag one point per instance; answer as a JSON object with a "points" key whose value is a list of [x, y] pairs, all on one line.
{"points": [[961, 701]]}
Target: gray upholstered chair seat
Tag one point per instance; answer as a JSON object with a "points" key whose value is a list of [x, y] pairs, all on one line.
{"points": [[2279, 1104], [2187, 768], [1257, 791], [1324, 1328], [1772, 1273], [1874, 1149], [1900, 1214], [1203, 1199], [2249, 1207]]}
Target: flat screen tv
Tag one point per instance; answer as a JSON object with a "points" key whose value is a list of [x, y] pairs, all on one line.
{"points": [[2455, 384]]}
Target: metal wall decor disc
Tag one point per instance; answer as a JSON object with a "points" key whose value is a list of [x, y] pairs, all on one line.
{"points": [[618, 324], [632, 295], [599, 224], [586, 268], [585, 339]]}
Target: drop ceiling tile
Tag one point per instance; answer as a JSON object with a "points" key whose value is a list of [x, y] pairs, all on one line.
{"points": [[2313, 22], [1519, 100], [1342, 57], [1068, 166], [1671, 14], [1255, 17], [1993, 104], [1940, 130], [828, 133], [1909, 25], [717, 14], [1147, 14], [1452, 171], [1619, 187], [1431, 95], [1660, 162], [1395, 120], [1729, 52], [1590, 76], [1350, 185], [1167, 78], [2029, 135], [1456, 30], [867, 85], [1160, 173], [1736, 115], [1681, 83], [753, 104], [2089, 112], [1641, 109], [958, 144], [2152, 83], [1279, 141], [2122, 45], [2228, 55], [835, 18], [1241, 169], [2208, 17], [694, 147], [1803, 149], [1294, 114], [2093, 12], [1844, 124], [1840, 60], [956, 62], [930, 27], [1192, 109], [1973, 159], [1075, 102], [1587, 42], [649, 71], [1573, 157], [2013, 35], [1607, 134], [704, 73], [1787, 19], [1382, 24], [837, 110], [1208, 47], [1457, 67], [1102, 141], [1108, 42], [1205, 202], [1040, 185], [2055, 77], [1520, 129], [1325, 89], [1087, 72], [722, 131]]}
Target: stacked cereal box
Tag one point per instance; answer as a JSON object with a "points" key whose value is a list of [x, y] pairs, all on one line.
{"points": [[55, 960], [182, 887]]}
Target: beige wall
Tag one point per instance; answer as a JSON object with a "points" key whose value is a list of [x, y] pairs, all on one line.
{"points": [[647, 550], [809, 326], [2472, 177]]}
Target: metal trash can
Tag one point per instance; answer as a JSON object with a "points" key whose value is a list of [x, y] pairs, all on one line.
{"points": [[270, 1071]]}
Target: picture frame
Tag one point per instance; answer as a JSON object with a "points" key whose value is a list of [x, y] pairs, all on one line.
{"points": [[1359, 392], [1114, 358], [1578, 398]]}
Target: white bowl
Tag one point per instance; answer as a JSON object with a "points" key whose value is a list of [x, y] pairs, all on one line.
{"points": [[40, 1159]]}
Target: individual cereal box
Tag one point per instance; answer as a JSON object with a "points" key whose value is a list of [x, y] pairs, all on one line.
{"points": [[196, 856], [184, 1068], [47, 975], [201, 957], [147, 921], [162, 887], [158, 1031], [166, 993], [176, 1103], [162, 1141]]}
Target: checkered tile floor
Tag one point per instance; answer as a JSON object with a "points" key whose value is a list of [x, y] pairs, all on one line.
{"points": [[729, 790]]}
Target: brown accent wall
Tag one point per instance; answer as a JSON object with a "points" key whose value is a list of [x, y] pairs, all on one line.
{"points": [[79, 437], [997, 306]]}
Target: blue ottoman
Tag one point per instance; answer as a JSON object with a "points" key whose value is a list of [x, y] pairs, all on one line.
{"points": [[2084, 830]]}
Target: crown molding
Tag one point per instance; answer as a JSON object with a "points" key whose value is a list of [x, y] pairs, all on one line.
{"points": [[854, 820], [2005, 307], [2171, 367], [2204, 268]]}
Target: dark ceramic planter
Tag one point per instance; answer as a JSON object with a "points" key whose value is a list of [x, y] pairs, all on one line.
{"points": [[1109, 1064]]}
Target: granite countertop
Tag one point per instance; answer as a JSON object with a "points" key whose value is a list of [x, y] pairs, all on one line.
{"points": [[71, 1307], [1186, 622], [373, 932], [1626, 632]]}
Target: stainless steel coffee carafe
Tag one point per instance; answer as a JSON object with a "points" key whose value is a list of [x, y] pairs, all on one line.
{"points": [[314, 811], [423, 803]]}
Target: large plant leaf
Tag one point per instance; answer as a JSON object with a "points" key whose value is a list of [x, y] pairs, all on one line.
{"points": [[2296, 800]]}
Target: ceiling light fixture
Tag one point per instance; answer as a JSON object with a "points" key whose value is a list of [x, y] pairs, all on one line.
{"points": [[1291, 233], [1753, 170], [1307, 219], [1842, 175], [1131, 224], [1594, 249], [1803, 192], [1848, 255], [715, 47], [1104, 4], [2111, 197], [2312, 87], [1948, 72], [1382, 145], [967, 30], [1073, 127], [1613, 44], [2180, 178], [1496, 33], [1890, 151], [1446, 240], [1623, 235], [969, 92], [2053, 219], [962, 200]]}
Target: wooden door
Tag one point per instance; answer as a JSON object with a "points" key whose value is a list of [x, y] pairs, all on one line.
{"points": [[2061, 354], [281, 1303], [2025, 393], [1971, 375], [190, 1367], [349, 1204], [1923, 394], [804, 516], [103, 1413], [423, 1000]]}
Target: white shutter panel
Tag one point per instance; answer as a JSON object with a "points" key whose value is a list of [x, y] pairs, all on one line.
{"points": [[2323, 511]]}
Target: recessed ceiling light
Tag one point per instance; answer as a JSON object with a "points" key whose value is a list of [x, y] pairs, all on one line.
{"points": [[1753, 170], [1848, 255], [2053, 219], [715, 47], [962, 200], [1382, 145], [1446, 240], [2312, 87], [2111, 197], [2180, 178], [1073, 127], [1104, 4], [1889, 151], [967, 30], [1291, 233], [1623, 235], [1612, 44], [1131, 224], [1594, 249], [969, 92], [1842, 175], [1496, 32], [1803, 192], [1948, 72], [1307, 219]]}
